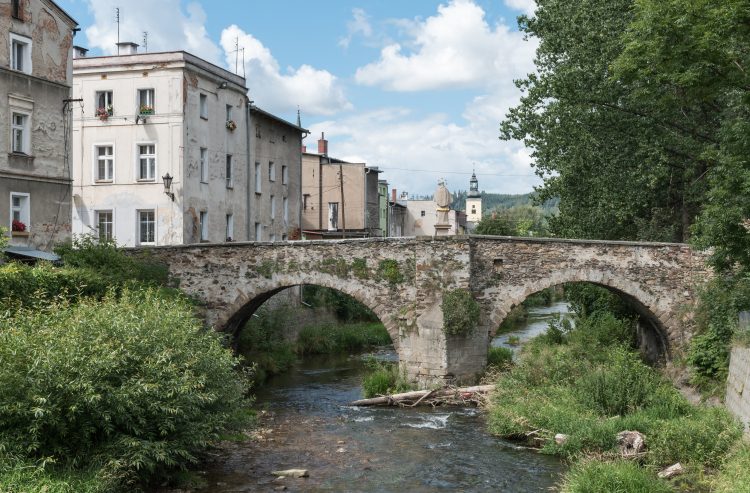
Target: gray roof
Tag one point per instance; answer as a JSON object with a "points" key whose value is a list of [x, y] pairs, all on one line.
{"points": [[280, 120], [30, 252]]}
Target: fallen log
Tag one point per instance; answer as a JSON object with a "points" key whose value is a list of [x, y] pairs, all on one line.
{"points": [[418, 394]]}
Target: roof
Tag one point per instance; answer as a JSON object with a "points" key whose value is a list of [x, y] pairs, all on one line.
{"points": [[255, 109], [30, 252], [66, 17]]}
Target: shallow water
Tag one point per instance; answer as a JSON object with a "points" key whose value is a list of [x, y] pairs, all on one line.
{"points": [[535, 324], [385, 449]]}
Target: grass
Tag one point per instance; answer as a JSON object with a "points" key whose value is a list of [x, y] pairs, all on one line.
{"points": [[499, 357], [734, 475], [612, 477], [514, 340], [28, 478], [384, 379]]}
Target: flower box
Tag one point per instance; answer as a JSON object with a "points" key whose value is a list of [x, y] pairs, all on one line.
{"points": [[231, 126], [19, 233], [147, 112]]}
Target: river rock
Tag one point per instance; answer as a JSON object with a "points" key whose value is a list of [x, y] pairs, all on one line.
{"points": [[630, 442], [280, 488], [560, 438], [341, 450], [292, 473], [672, 471]]}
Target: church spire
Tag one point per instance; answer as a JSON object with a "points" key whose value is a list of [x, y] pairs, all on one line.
{"points": [[474, 186], [299, 122]]}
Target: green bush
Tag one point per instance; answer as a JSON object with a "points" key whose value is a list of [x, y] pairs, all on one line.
{"points": [[461, 314], [384, 379], [612, 477], [330, 338], [30, 478], [586, 299], [346, 307], [499, 357], [133, 383]]}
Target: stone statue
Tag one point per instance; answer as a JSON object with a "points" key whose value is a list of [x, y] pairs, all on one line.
{"points": [[443, 199]]}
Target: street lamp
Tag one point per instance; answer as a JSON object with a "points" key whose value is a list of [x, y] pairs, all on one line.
{"points": [[167, 186]]}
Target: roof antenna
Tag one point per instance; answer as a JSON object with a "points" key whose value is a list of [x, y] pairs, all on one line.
{"points": [[116, 17], [145, 41]]}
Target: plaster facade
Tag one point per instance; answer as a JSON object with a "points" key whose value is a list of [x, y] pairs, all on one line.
{"points": [[233, 280], [473, 210], [35, 128], [421, 218], [185, 135]]}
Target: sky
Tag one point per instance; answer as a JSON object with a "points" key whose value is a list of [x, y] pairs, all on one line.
{"points": [[417, 88]]}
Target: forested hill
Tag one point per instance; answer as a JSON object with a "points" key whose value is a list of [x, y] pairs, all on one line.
{"points": [[497, 201]]}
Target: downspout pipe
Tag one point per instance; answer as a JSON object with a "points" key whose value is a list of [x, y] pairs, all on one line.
{"points": [[250, 171], [302, 135], [367, 205]]}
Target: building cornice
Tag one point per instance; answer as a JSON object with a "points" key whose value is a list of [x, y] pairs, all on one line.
{"points": [[33, 177], [34, 77]]}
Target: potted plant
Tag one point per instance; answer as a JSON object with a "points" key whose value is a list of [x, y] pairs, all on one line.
{"points": [[146, 110], [104, 113], [231, 125], [18, 229]]}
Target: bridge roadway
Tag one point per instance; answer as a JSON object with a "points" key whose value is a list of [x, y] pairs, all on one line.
{"points": [[403, 280]]}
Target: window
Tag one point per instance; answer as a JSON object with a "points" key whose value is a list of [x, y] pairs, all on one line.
{"points": [[271, 172], [230, 227], [19, 209], [284, 175], [204, 165], [273, 237], [20, 133], [257, 178], [104, 101], [146, 162], [147, 226], [422, 213], [203, 226], [273, 206], [230, 167], [257, 232], [105, 164], [229, 112], [284, 237], [333, 216], [204, 106], [285, 208], [20, 53], [104, 220], [283, 138], [15, 8], [146, 99]]}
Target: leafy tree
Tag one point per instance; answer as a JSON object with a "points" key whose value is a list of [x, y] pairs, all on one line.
{"points": [[624, 166], [493, 224]]}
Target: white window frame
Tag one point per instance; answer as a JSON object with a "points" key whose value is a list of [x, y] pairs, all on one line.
{"points": [[285, 208], [273, 207], [258, 232], [230, 171], [26, 66], [202, 226], [25, 129], [138, 98], [95, 166], [272, 237], [111, 99], [203, 105], [111, 234], [230, 227], [204, 165], [271, 171], [284, 175], [258, 183], [138, 226], [24, 209], [229, 112], [138, 178]]}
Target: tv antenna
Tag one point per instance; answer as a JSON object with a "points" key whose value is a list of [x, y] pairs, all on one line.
{"points": [[145, 41], [117, 17], [236, 52]]}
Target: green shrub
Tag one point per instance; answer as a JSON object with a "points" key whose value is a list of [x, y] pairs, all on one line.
{"points": [[517, 315], [346, 307], [586, 299], [499, 357], [388, 270], [330, 338], [612, 477], [30, 478], [557, 329], [384, 379], [134, 383], [461, 314], [734, 475]]}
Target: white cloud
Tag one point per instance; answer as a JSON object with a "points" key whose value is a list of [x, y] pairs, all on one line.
{"points": [[169, 28], [526, 6], [317, 92], [454, 49], [356, 25]]}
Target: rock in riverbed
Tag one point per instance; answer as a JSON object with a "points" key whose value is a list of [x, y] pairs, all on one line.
{"points": [[292, 473], [630, 442], [671, 471]]}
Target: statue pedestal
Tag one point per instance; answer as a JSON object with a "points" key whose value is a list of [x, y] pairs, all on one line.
{"points": [[442, 229]]}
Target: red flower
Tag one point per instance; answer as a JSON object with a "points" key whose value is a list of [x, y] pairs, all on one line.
{"points": [[18, 226]]}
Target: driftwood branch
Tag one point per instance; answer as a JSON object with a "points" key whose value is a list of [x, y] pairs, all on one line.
{"points": [[420, 394]]}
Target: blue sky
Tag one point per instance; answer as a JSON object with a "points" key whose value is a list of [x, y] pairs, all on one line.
{"points": [[417, 88]]}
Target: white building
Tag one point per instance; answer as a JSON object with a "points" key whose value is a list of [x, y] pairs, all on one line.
{"points": [[421, 217], [145, 116], [474, 201]]}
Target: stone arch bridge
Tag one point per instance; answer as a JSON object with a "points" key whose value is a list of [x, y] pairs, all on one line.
{"points": [[403, 281]]}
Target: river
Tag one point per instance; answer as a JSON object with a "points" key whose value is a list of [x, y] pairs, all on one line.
{"points": [[383, 449]]}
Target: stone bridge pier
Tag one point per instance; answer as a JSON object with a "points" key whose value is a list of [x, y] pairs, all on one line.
{"points": [[403, 280]]}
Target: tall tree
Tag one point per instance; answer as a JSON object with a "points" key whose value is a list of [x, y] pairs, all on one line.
{"points": [[624, 166]]}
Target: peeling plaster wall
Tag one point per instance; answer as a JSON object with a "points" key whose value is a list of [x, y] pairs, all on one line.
{"points": [[45, 175]]}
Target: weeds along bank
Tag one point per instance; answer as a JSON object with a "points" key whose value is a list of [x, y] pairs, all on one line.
{"points": [[520, 313], [107, 380], [570, 391]]}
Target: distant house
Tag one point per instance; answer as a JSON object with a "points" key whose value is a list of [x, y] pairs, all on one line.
{"points": [[331, 202], [36, 57], [397, 214]]}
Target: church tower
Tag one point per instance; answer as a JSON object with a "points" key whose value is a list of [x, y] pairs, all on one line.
{"points": [[474, 201]]}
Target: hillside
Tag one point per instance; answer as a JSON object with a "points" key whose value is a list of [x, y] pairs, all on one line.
{"points": [[497, 201]]}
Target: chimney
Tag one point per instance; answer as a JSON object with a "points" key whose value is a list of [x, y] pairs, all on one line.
{"points": [[79, 52], [393, 194], [127, 49], [323, 144], [304, 148]]}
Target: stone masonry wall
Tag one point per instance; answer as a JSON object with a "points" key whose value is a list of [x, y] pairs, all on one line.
{"points": [[737, 399]]}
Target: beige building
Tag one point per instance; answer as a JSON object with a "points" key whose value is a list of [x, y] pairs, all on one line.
{"points": [[235, 169], [328, 205], [36, 75], [473, 201], [421, 218]]}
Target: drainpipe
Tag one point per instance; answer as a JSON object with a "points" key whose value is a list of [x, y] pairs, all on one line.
{"points": [[367, 172], [300, 185], [250, 167]]}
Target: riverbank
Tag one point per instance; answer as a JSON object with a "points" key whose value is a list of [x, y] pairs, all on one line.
{"points": [[572, 390]]}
